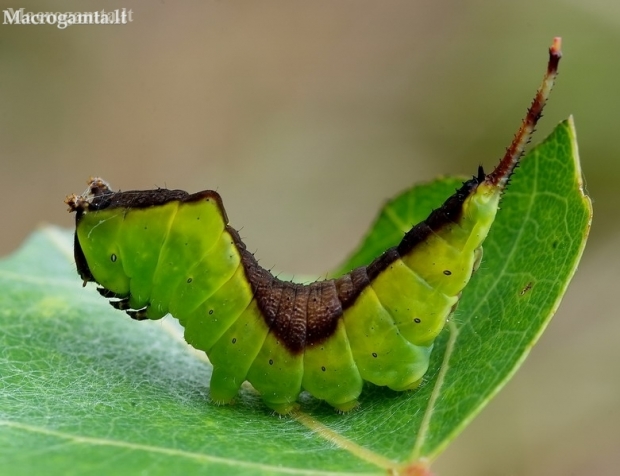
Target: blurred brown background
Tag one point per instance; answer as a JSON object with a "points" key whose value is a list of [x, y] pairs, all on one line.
{"points": [[306, 116]]}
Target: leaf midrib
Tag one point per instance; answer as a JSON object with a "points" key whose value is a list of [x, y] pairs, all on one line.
{"points": [[87, 440]]}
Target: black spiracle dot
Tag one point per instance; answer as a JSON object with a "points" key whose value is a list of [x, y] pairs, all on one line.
{"points": [[210, 311], [189, 280], [323, 368], [447, 272], [113, 258], [417, 320], [270, 361], [374, 354], [234, 340]]}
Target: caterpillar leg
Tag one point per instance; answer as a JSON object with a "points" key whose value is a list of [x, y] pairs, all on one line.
{"points": [[124, 305], [346, 406], [106, 293], [282, 408], [330, 372], [277, 374], [411, 386], [224, 387], [287, 408], [135, 314], [139, 315], [121, 304]]}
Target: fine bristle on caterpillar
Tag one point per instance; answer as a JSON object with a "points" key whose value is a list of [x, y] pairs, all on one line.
{"points": [[163, 251]]}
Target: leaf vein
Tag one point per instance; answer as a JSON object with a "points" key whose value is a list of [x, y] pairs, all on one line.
{"points": [[86, 440]]}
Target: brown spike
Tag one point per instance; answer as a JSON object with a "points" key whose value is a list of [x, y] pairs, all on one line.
{"points": [[499, 177]]}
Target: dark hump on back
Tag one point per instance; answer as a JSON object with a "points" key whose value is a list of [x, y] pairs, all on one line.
{"points": [[303, 315]]}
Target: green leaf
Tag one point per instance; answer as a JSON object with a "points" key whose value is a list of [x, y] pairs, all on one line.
{"points": [[86, 390]]}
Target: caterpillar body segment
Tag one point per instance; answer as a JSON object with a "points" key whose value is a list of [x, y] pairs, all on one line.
{"points": [[165, 251]]}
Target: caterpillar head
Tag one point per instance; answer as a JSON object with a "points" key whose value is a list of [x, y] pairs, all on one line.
{"points": [[81, 204]]}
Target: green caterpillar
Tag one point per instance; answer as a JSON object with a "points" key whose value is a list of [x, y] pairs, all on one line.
{"points": [[166, 251]]}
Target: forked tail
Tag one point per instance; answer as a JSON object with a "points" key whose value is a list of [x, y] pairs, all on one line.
{"points": [[499, 177]]}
